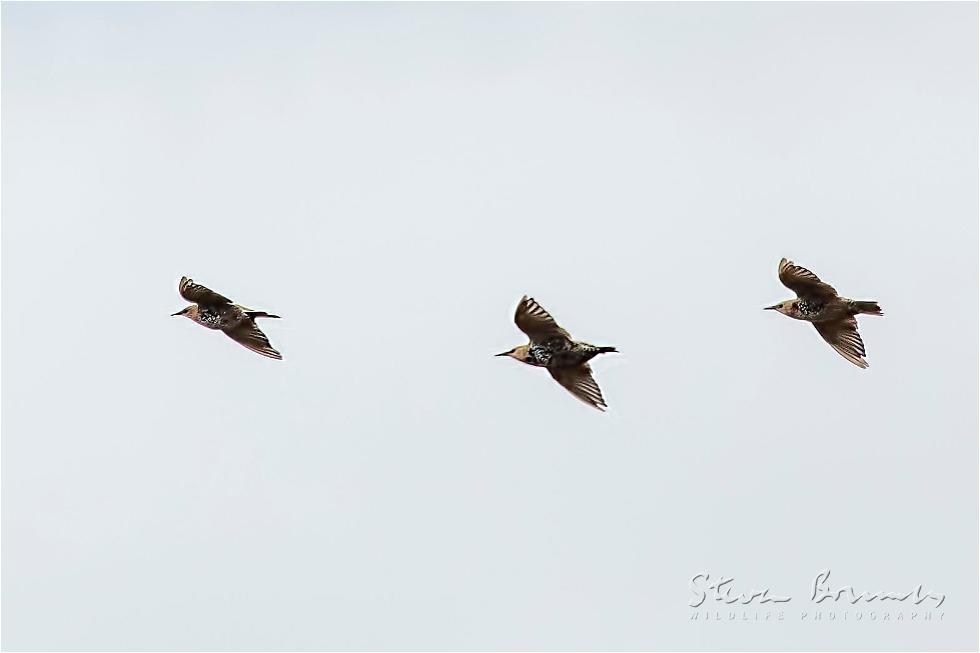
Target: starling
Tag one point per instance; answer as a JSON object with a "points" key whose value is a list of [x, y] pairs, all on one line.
{"points": [[217, 312], [831, 314], [552, 347]]}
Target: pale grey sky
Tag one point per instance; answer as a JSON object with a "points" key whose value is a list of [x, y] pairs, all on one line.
{"points": [[391, 179]]}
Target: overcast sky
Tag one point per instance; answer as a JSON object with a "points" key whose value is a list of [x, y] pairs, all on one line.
{"points": [[391, 179]]}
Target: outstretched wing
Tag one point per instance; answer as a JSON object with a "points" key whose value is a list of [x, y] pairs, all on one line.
{"points": [[536, 322], [249, 335], [804, 283], [843, 336], [195, 292], [580, 382]]}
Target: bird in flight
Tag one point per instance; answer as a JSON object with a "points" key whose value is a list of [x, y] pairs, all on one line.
{"points": [[552, 347], [831, 314], [215, 311]]}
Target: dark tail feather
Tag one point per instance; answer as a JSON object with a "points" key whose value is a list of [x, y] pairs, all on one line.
{"points": [[255, 314], [608, 350], [871, 308]]}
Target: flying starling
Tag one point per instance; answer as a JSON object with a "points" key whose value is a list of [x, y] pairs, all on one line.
{"points": [[831, 314], [552, 347], [217, 312]]}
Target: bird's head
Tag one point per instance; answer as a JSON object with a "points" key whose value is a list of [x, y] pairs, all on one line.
{"points": [[786, 308], [517, 353], [190, 311]]}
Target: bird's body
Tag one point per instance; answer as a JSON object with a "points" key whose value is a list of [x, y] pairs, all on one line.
{"points": [[816, 311], [217, 312], [832, 315], [552, 347], [561, 353], [208, 317]]}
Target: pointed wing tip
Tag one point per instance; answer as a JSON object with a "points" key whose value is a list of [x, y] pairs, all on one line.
{"points": [[268, 353], [857, 361], [853, 359], [599, 404]]}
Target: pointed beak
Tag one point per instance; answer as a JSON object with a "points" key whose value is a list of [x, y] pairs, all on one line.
{"points": [[503, 354], [771, 308], [177, 313]]}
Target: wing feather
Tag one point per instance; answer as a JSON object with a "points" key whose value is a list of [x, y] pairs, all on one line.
{"points": [[843, 336], [195, 292], [248, 334], [537, 323], [803, 282], [579, 381]]}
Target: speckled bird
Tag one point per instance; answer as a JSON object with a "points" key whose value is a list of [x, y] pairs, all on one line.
{"points": [[215, 311], [832, 315], [552, 347]]}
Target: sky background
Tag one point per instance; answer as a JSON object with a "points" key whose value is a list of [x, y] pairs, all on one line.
{"points": [[391, 179]]}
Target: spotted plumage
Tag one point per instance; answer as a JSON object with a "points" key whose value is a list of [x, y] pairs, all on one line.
{"points": [[831, 314], [209, 318], [539, 355], [217, 312], [808, 309], [552, 347]]}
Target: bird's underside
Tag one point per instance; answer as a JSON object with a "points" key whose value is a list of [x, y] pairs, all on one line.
{"points": [[216, 311], [560, 353]]}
